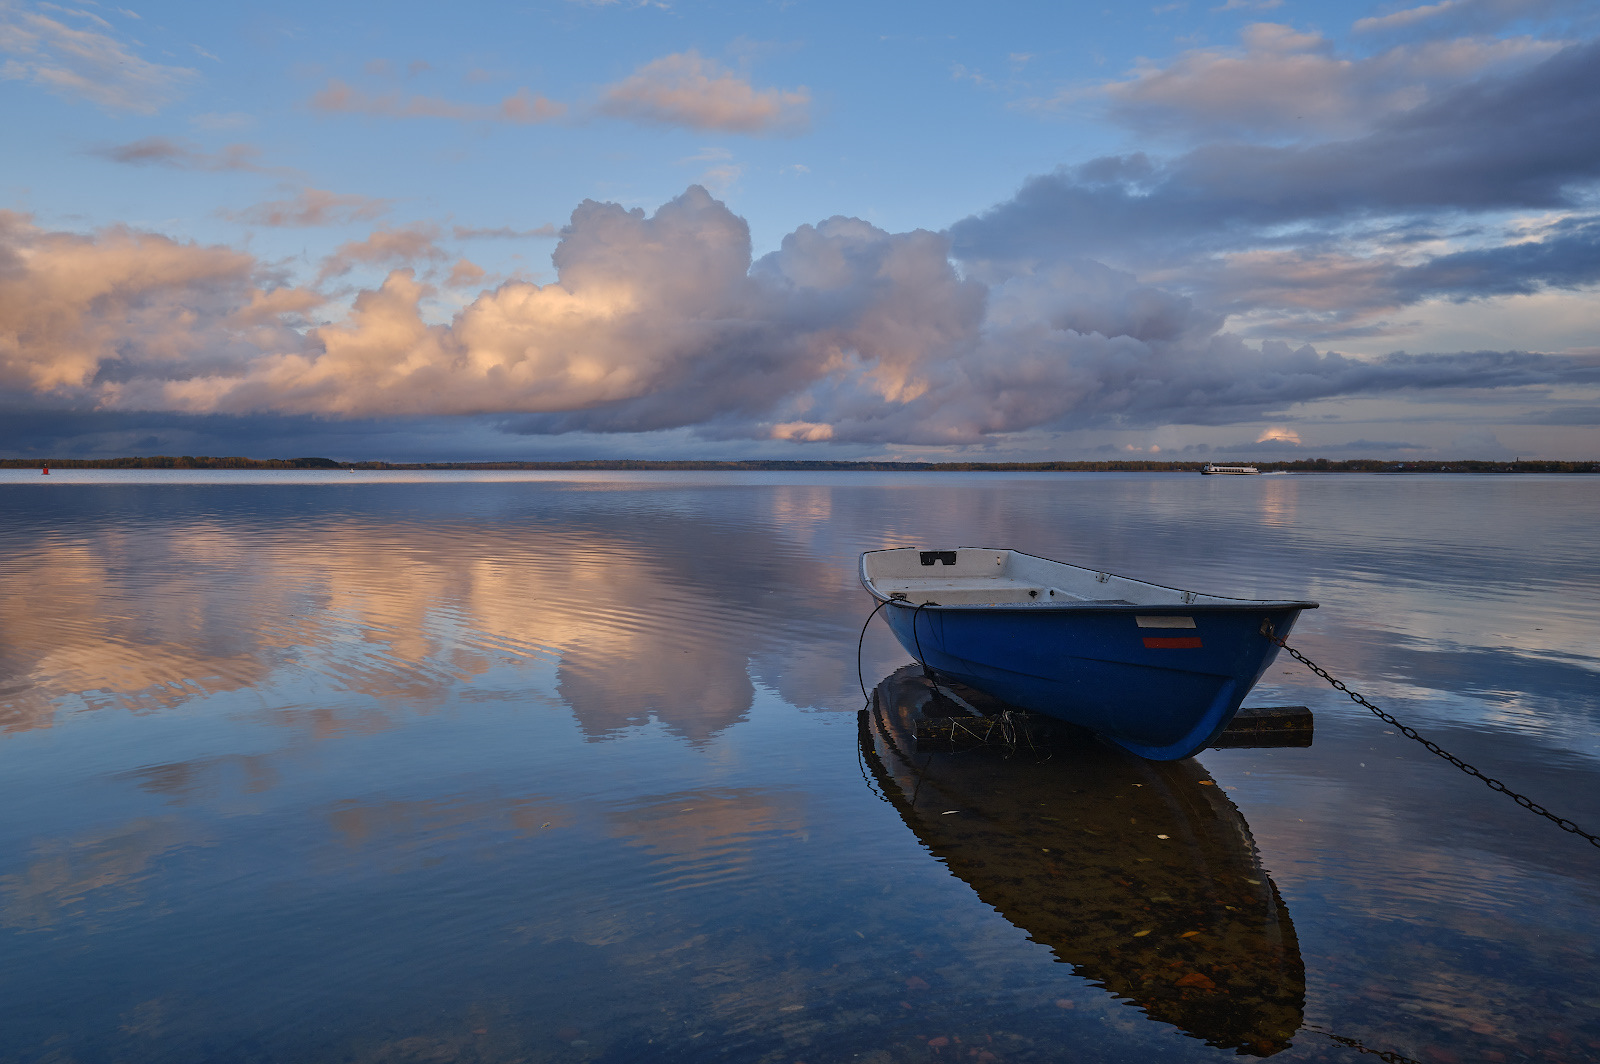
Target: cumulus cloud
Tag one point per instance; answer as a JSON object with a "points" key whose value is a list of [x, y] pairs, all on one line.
{"points": [[86, 62], [522, 107], [79, 314], [1331, 196], [310, 207], [182, 155], [845, 334], [687, 90]]}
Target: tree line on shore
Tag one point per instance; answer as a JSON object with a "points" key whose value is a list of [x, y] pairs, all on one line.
{"points": [[1303, 465]]}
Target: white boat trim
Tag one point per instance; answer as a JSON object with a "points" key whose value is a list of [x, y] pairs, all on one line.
{"points": [[999, 578]]}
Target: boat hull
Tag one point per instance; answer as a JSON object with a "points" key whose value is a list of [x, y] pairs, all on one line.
{"points": [[1160, 692]]}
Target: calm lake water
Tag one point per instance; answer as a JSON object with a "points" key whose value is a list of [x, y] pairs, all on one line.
{"points": [[569, 767]]}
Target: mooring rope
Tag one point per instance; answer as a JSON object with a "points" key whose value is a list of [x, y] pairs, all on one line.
{"points": [[861, 642], [862, 680], [1434, 748]]}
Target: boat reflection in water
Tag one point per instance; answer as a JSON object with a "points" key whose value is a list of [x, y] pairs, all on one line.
{"points": [[1140, 874]]}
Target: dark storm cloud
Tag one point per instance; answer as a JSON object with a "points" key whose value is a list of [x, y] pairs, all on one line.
{"points": [[1570, 258], [30, 432], [1221, 387], [1354, 448], [1095, 382], [1518, 141], [1566, 415]]}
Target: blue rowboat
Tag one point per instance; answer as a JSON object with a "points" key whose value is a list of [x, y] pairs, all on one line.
{"points": [[1155, 670]]}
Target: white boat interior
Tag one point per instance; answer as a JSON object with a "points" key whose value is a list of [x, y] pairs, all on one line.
{"points": [[995, 577]]}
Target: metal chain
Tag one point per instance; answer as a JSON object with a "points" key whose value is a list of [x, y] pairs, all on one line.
{"points": [[1389, 1056], [1494, 785]]}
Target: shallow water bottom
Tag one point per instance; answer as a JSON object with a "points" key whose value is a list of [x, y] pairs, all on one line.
{"points": [[573, 769]]}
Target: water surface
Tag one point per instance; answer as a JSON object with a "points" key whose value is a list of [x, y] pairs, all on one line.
{"points": [[567, 767]]}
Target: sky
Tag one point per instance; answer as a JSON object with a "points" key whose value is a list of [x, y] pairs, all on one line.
{"points": [[801, 230]]}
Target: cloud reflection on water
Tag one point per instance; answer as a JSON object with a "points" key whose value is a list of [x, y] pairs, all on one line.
{"points": [[410, 614], [94, 876], [330, 725], [704, 836]]}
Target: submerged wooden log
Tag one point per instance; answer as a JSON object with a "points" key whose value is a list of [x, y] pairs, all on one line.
{"points": [[1273, 726]]}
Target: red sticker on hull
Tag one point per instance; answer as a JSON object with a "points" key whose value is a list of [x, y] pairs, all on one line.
{"points": [[1187, 642]]}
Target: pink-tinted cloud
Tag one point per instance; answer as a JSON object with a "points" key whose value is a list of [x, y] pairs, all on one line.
{"points": [[311, 207], [1406, 17], [687, 90], [69, 304], [846, 333], [1459, 16], [406, 244], [464, 274], [520, 108], [1286, 82]]}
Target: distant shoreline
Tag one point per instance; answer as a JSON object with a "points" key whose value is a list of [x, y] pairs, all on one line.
{"points": [[1314, 465]]}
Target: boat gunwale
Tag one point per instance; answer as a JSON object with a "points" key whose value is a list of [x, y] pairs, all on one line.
{"points": [[1240, 606], [1228, 605]]}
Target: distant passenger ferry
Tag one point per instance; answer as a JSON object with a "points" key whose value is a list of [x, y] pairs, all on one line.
{"points": [[1237, 470]]}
